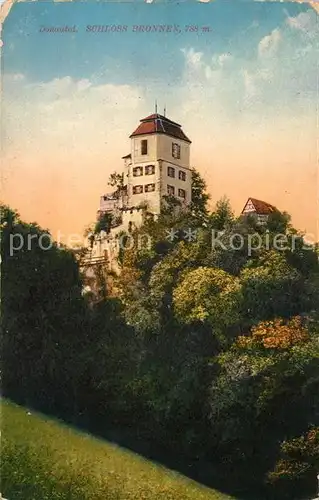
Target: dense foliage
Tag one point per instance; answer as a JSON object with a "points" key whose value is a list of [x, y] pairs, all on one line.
{"points": [[210, 351]]}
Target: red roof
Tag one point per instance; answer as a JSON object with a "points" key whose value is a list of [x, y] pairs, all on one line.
{"points": [[157, 115], [159, 124], [261, 207]]}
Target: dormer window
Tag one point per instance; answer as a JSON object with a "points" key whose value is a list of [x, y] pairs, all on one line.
{"points": [[176, 150], [144, 147]]}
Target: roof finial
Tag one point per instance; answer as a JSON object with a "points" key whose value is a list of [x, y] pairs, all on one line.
{"points": [[156, 106], [165, 110]]}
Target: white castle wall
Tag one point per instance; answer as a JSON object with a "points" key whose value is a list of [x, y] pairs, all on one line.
{"points": [[132, 217], [176, 182], [164, 150], [108, 202], [151, 198]]}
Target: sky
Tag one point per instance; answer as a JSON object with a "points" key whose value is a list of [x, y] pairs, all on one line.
{"points": [[245, 92]]}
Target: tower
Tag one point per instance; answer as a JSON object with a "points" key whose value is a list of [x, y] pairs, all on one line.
{"points": [[158, 164]]}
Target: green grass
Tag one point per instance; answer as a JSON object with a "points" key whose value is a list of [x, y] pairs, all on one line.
{"points": [[42, 459]]}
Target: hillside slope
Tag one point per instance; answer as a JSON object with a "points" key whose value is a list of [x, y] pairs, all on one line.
{"points": [[44, 459]]}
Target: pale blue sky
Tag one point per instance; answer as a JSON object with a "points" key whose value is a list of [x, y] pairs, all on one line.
{"points": [[157, 61], [237, 27]]}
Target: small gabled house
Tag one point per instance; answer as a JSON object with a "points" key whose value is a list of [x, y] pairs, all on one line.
{"points": [[260, 209]]}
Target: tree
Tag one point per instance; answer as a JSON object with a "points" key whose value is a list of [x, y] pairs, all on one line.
{"points": [[266, 385], [279, 222], [295, 473], [104, 223], [170, 205], [277, 334], [208, 295], [198, 206], [223, 216], [209, 351], [116, 180], [271, 287], [42, 306], [236, 244], [302, 256]]}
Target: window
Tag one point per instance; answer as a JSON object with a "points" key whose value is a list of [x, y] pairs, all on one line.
{"points": [[149, 188], [171, 172], [176, 150], [144, 147], [181, 175], [137, 171], [170, 190], [182, 193], [137, 189], [149, 169]]}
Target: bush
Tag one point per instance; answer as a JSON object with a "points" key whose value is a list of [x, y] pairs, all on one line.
{"points": [[295, 473]]}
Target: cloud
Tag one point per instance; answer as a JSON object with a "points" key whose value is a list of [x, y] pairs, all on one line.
{"points": [[269, 44], [254, 81], [18, 77], [306, 22], [250, 83], [277, 75], [14, 77], [224, 59], [209, 73], [208, 68], [74, 93], [192, 58], [64, 112]]}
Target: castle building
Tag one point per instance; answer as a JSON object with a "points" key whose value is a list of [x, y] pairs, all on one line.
{"points": [[157, 166]]}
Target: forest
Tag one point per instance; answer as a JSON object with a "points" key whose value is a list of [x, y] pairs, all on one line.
{"points": [[207, 355]]}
